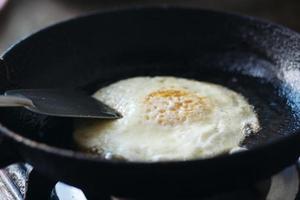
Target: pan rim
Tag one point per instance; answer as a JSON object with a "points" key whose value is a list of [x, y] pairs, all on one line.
{"points": [[73, 154]]}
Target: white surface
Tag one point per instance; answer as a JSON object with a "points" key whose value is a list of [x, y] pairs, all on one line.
{"points": [[22, 17], [66, 192]]}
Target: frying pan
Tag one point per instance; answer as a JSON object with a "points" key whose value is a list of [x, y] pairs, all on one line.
{"points": [[258, 59]]}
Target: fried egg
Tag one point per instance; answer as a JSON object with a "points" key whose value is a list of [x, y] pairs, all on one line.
{"points": [[167, 118]]}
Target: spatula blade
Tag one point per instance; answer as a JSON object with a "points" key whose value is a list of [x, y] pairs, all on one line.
{"points": [[65, 103]]}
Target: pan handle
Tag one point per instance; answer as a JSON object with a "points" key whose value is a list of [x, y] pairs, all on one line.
{"points": [[8, 151]]}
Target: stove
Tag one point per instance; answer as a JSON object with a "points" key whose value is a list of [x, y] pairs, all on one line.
{"points": [[14, 185]]}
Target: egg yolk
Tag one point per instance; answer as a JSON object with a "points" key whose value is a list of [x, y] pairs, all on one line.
{"points": [[175, 106]]}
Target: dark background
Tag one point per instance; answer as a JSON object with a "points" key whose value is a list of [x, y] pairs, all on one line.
{"points": [[20, 18]]}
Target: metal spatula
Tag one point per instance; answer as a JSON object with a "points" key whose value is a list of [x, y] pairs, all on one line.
{"points": [[55, 102]]}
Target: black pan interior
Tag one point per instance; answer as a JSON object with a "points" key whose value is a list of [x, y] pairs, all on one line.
{"points": [[253, 58]]}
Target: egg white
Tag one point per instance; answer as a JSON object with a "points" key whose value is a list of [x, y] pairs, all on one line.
{"points": [[168, 118]]}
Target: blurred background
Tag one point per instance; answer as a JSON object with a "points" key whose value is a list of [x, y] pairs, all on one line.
{"points": [[19, 18]]}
